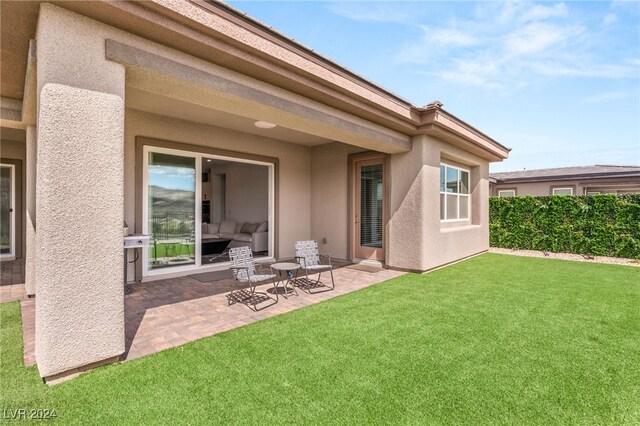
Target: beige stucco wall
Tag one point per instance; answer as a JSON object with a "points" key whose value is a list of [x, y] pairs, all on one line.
{"points": [[247, 192], [30, 211], [79, 197], [578, 185], [417, 239], [330, 197], [293, 169]]}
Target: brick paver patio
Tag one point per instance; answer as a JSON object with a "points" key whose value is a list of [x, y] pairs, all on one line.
{"points": [[168, 313], [12, 280]]}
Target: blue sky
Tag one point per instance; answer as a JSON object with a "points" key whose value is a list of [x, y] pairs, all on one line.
{"points": [[183, 178], [559, 82]]}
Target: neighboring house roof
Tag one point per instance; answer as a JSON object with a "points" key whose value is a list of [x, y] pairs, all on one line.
{"points": [[597, 171]]}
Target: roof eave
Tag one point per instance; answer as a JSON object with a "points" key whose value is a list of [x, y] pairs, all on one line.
{"points": [[437, 122]]}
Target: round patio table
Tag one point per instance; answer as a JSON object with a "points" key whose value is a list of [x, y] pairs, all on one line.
{"points": [[287, 275]]}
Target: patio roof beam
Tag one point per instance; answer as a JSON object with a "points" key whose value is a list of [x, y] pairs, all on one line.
{"points": [[217, 88]]}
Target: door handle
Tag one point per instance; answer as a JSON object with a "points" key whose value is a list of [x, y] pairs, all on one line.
{"points": [[10, 210]]}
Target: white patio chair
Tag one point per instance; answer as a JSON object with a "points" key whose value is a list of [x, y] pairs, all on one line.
{"points": [[244, 271], [308, 258]]}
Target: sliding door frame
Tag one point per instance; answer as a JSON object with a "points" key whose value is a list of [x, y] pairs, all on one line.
{"points": [[145, 145], [12, 213]]}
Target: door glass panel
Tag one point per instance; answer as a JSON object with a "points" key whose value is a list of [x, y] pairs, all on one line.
{"points": [[371, 205], [5, 210], [172, 210]]}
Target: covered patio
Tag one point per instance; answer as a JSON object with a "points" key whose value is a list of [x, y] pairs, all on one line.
{"points": [[171, 312]]}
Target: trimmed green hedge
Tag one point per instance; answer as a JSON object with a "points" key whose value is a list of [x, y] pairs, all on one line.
{"points": [[604, 225]]}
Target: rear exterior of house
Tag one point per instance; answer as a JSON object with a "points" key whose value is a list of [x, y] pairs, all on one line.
{"points": [[192, 123], [580, 180]]}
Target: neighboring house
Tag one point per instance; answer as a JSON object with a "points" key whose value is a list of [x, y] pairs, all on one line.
{"points": [[581, 180], [165, 114]]}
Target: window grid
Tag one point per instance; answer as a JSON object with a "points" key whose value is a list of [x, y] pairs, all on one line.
{"points": [[562, 191], [454, 185]]}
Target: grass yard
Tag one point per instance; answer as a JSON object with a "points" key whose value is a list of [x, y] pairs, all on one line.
{"points": [[493, 340]]}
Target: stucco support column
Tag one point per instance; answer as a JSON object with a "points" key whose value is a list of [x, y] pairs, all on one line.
{"points": [[406, 226], [30, 255], [79, 197]]}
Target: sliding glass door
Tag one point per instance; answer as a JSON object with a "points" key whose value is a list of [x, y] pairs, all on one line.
{"points": [[7, 210], [178, 194], [171, 210]]}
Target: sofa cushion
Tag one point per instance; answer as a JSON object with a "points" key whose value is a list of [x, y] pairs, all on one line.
{"points": [[209, 236], [245, 238], [205, 228], [248, 228], [229, 235], [262, 227], [227, 227], [214, 227]]}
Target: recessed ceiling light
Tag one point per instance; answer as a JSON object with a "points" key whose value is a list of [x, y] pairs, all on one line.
{"points": [[208, 160], [264, 124]]}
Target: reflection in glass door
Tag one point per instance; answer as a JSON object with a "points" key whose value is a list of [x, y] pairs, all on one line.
{"points": [[369, 209], [7, 212], [171, 210]]}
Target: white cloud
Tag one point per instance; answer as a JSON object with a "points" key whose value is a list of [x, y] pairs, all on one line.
{"points": [[434, 42], [609, 18], [538, 12], [370, 11], [608, 96], [449, 37], [171, 171], [576, 69], [634, 61], [470, 79], [539, 37], [519, 12], [506, 45]]}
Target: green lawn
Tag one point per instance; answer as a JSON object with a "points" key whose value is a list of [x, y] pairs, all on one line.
{"points": [[492, 340]]}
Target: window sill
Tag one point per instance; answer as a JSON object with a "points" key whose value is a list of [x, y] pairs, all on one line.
{"points": [[462, 227]]}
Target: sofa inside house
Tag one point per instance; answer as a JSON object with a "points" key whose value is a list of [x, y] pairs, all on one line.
{"points": [[254, 235]]}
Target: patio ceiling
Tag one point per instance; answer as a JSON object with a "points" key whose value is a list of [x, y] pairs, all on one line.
{"points": [[207, 86], [167, 106]]}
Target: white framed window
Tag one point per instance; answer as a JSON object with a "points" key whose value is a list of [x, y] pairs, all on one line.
{"points": [[507, 193], [593, 192], [562, 191], [455, 202]]}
